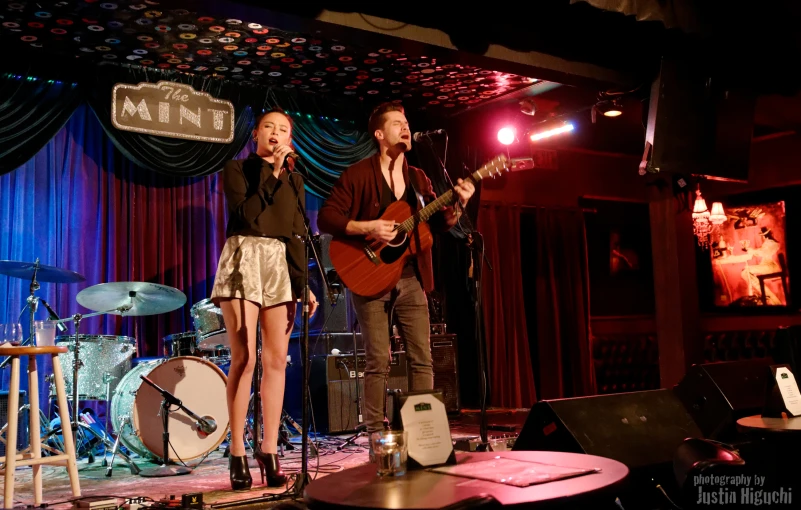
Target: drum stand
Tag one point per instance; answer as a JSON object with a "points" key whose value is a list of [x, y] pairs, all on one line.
{"points": [[76, 424]]}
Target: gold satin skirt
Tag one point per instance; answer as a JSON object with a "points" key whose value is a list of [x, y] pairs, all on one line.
{"points": [[255, 269]]}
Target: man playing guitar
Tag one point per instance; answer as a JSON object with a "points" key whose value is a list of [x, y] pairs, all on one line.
{"points": [[353, 210]]}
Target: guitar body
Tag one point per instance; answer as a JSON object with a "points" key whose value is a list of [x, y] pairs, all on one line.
{"points": [[371, 268]]}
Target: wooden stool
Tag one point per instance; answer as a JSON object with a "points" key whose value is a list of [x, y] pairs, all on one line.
{"points": [[34, 458]]}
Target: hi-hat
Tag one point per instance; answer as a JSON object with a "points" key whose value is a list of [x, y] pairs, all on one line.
{"points": [[25, 270], [131, 298]]}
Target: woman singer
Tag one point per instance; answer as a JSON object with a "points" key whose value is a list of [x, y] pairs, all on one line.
{"points": [[258, 280]]}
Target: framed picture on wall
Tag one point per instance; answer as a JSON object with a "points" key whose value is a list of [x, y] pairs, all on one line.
{"points": [[619, 258], [749, 257]]}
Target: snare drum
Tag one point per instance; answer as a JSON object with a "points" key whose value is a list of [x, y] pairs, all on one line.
{"points": [[197, 383], [103, 359], [208, 320], [180, 344]]}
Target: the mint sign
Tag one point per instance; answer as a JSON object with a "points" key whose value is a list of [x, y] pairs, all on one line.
{"points": [[173, 110]]}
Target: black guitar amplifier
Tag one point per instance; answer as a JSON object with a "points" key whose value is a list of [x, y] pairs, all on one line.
{"points": [[332, 383], [444, 355]]}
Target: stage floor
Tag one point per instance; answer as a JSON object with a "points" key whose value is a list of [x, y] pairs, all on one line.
{"points": [[210, 477]]}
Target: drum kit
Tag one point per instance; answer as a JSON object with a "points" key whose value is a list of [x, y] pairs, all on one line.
{"points": [[188, 377]]}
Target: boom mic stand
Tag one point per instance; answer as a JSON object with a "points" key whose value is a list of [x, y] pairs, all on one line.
{"points": [[206, 424]]}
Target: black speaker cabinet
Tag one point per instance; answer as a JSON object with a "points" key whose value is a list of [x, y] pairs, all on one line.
{"points": [[641, 429], [332, 383], [718, 394], [22, 421], [446, 373]]}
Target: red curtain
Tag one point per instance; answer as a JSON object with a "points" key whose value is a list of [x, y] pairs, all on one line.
{"points": [[508, 357], [556, 245]]}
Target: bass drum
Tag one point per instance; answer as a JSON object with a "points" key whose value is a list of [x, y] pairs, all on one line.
{"points": [[135, 407]]}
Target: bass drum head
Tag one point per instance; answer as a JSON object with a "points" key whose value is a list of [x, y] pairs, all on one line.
{"points": [[197, 383]]}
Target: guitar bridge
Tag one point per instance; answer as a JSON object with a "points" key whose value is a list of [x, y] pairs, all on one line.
{"points": [[371, 255]]}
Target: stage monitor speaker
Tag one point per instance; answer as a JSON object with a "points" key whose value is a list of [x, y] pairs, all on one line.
{"points": [[718, 394], [641, 429], [445, 356], [22, 421], [332, 384]]}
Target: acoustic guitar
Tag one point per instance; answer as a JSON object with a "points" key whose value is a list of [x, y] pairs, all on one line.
{"points": [[372, 268]]}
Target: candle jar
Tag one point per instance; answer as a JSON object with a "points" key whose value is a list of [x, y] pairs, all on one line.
{"points": [[390, 451]]}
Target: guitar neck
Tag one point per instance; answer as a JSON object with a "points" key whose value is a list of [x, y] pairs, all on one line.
{"points": [[423, 215]]}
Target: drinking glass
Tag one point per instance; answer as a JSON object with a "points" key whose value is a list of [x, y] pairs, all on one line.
{"points": [[390, 450], [11, 333], [45, 333]]}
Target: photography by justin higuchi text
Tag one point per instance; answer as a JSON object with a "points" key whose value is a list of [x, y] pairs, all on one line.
{"points": [[747, 490]]}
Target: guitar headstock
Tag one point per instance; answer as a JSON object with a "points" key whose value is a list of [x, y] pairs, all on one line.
{"points": [[493, 167]]}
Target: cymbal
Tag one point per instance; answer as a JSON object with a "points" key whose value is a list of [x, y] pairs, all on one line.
{"points": [[131, 298], [24, 270]]}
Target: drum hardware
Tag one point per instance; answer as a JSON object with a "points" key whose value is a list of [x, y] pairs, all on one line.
{"points": [[44, 429], [116, 449], [131, 299], [36, 272], [209, 324], [103, 437], [107, 378]]}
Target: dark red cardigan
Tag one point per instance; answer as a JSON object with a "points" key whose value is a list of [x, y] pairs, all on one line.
{"points": [[357, 196]]}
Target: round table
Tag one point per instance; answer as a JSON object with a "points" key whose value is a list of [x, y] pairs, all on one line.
{"points": [[757, 423], [361, 487]]}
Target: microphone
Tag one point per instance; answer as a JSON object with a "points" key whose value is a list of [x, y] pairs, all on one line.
{"points": [[207, 425], [420, 134], [53, 316]]}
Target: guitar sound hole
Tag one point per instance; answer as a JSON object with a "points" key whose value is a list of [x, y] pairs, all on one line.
{"points": [[399, 240], [394, 250]]}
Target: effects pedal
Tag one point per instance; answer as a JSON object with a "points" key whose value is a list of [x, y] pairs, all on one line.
{"points": [[193, 500]]}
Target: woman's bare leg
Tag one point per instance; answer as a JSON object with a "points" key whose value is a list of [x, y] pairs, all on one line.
{"points": [[241, 320], [276, 327]]}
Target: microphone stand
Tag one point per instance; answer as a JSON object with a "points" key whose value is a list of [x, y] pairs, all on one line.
{"points": [[303, 479], [473, 236], [169, 400]]}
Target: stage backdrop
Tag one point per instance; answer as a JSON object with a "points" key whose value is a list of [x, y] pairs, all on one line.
{"points": [[80, 204]]}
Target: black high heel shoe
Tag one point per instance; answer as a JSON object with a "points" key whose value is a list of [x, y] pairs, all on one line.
{"points": [[240, 473], [269, 466]]}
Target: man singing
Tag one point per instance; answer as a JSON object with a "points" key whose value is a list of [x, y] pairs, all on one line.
{"points": [[357, 201]]}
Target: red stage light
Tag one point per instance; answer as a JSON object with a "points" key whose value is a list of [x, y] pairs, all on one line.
{"points": [[506, 135]]}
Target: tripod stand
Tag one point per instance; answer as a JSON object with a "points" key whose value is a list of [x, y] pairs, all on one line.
{"points": [[76, 424]]}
